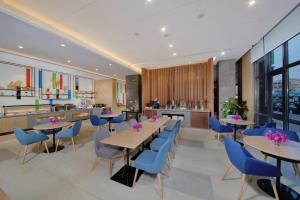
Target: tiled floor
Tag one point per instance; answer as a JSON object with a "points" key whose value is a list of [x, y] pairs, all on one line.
{"points": [[196, 171]]}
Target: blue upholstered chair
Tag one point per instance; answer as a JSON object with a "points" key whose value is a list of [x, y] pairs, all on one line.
{"points": [[175, 127], [248, 165], [143, 118], [132, 121], [97, 122], [219, 128], [28, 138], [105, 151], [121, 127], [71, 132], [258, 130], [118, 119], [152, 162]]}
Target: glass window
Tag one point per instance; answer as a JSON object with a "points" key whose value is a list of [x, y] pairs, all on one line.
{"points": [[279, 123], [294, 49], [294, 93], [294, 127], [277, 58], [277, 106]]}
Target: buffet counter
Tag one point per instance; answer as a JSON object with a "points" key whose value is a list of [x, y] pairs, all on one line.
{"points": [[29, 119], [190, 118]]}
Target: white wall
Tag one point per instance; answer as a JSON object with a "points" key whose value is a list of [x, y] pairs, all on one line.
{"points": [[39, 65], [286, 29]]}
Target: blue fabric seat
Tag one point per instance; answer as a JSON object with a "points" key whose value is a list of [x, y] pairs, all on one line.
{"points": [[96, 121], [258, 130], [28, 138], [71, 132], [248, 165], [121, 127], [152, 162], [219, 128], [175, 127], [118, 119], [131, 122], [103, 150]]}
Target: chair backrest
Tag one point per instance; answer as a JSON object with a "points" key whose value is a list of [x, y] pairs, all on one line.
{"points": [[269, 124], [235, 153], [292, 135], [161, 157], [20, 135], [214, 124], [77, 127], [100, 135], [132, 121], [121, 126], [94, 120], [118, 119], [143, 118]]}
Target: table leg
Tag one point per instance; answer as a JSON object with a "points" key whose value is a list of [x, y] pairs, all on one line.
{"points": [[234, 133], [52, 149], [284, 192]]}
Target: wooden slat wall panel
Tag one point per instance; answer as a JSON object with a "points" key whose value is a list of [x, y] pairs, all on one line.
{"points": [[188, 82]]}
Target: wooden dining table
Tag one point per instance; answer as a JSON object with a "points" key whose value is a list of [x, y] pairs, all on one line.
{"points": [[289, 151], [236, 123], [131, 139], [53, 127]]}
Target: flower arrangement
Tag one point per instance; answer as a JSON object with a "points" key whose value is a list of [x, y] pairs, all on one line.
{"points": [[236, 117], [53, 120], [277, 137], [155, 117], [137, 126], [109, 112]]}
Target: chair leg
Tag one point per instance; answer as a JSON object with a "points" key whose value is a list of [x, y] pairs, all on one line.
{"points": [[296, 169], [25, 151], [160, 186], [73, 144], [46, 147], [265, 157], [274, 189], [135, 176], [110, 167], [57, 144], [95, 163], [39, 146], [19, 152], [226, 172], [219, 137], [242, 186]]}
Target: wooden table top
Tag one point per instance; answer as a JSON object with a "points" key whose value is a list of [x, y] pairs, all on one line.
{"points": [[238, 122], [52, 126], [289, 150], [131, 139], [110, 115]]}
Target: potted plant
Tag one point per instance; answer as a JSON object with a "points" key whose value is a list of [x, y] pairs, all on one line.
{"points": [[232, 107]]}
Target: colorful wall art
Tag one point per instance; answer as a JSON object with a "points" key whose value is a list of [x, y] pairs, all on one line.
{"points": [[54, 85], [16, 77], [83, 87]]}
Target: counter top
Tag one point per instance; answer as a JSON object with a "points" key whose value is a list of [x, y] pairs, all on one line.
{"points": [[44, 112], [178, 110]]}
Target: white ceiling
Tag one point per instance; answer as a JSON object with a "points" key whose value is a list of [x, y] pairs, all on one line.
{"points": [[227, 25]]}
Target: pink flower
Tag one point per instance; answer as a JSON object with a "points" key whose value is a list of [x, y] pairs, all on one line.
{"points": [[53, 120], [155, 117], [276, 137], [137, 126], [236, 117]]}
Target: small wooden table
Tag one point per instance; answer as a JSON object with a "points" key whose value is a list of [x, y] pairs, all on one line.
{"points": [[131, 139], [289, 151], [236, 123], [109, 117], [52, 127]]}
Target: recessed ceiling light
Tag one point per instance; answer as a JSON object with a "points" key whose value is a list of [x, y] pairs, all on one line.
{"points": [[62, 45], [171, 45], [174, 54], [97, 69], [223, 53], [20, 47], [149, 1], [163, 29], [69, 61], [110, 64], [251, 3]]}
